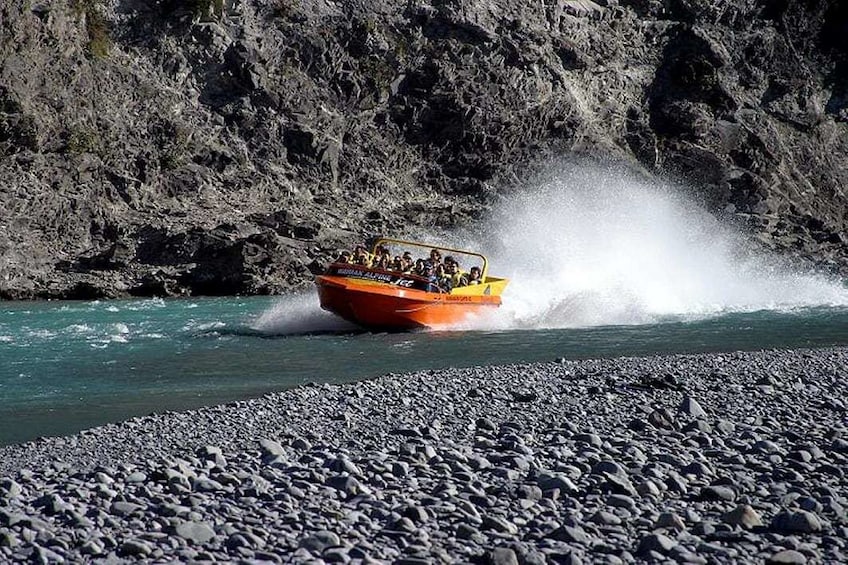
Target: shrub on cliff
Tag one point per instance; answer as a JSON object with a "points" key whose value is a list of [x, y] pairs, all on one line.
{"points": [[99, 39]]}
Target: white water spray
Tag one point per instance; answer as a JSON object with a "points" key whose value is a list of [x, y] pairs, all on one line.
{"points": [[591, 247], [298, 314], [584, 247]]}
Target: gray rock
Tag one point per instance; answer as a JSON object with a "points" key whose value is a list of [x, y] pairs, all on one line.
{"points": [[498, 524], [346, 484], [8, 539], [690, 407], [136, 477], [469, 532], [787, 557], [501, 556], [271, 449], [670, 521], [591, 439], [301, 444], [744, 516], [9, 488], [618, 484], [319, 541], [658, 543], [718, 492], [799, 521], [551, 481], [648, 488], [123, 508], [621, 501], [136, 548], [196, 532], [605, 518]]}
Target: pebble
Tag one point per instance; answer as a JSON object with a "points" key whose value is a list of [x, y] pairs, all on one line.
{"points": [[787, 557], [718, 493], [671, 521], [502, 556], [690, 407], [319, 541], [197, 532], [419, 470], [799, 521], [743, 516], [658, 543]]}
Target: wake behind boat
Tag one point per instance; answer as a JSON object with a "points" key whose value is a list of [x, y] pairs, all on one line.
{"points": [[377, 292]]}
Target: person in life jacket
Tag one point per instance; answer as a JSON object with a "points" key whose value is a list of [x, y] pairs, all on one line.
{"points": [[443, 279], [474, 276], [345, 257], [429, 273], [453, 272], [421, 267], [435, 258], [382, 257], [407, 266], [362, 257]]}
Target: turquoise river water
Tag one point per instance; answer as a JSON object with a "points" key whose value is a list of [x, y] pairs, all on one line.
{"points": [[65, 366], [601, 264]]}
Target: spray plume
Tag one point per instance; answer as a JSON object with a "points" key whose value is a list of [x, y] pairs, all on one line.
{"points": [[587, 246]]}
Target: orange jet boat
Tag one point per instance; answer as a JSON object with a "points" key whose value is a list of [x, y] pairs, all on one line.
{"points": [[386, 299]]}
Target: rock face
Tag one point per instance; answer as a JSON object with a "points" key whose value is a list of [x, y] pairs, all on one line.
{"points": [[231, 146]]}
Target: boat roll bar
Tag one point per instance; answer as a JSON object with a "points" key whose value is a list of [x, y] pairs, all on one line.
{"points": [[387, 241]]}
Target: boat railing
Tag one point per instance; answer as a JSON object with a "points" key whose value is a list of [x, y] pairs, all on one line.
{"points": [[391, 241]]}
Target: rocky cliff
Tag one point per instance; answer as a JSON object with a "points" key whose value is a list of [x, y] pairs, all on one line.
{"points": [[230, 146]]}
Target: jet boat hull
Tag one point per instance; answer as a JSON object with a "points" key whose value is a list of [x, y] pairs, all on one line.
{"points": [[389, 306]]}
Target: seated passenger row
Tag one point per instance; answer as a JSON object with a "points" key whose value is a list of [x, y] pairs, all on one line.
{"points": [[442, 275]]}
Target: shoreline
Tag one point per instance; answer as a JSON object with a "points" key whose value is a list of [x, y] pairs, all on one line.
{"points": [[720, 457]]}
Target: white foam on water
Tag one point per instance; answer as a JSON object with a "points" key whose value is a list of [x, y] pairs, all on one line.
{"points": [[588, 247], [154, 336], [298, 314], [41, 333], [208, 326], [147, 304]]}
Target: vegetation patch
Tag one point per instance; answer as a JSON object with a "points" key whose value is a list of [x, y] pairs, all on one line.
{"points": [[174, 143], [285, 9], [18, 130], [97, 28], [206, 9], [82, 139]]}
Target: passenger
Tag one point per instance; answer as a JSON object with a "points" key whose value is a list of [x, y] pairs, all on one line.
{"points": [[407, 266], [453, 271], [345, 257], [384, 262], [443, 279], [397, 264], [383, 251], [428, 273], [362, 257], [421, 267], [435, 258], [474, 276]]}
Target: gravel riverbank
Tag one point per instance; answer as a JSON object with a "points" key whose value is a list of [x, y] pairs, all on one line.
{"points": [[700, 458]]}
